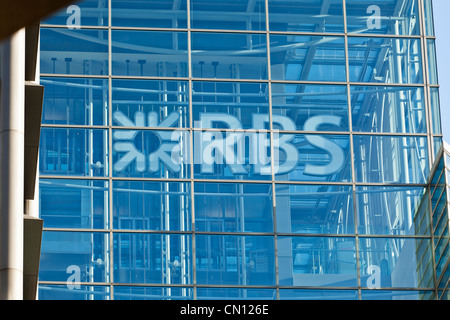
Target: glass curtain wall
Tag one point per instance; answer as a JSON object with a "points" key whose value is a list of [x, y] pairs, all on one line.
{"points": [[239, 149]]}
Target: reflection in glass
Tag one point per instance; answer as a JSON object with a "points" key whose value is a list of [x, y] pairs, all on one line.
{"points": [[229, 55], [235, 294], [428, 12], [80, 13], [385, 60], [311, 157], [150, 103], [70, 51], [74, 152], [317, 261], [74, 203], [235, 260], [149, 14], [435, 111], [392, 210], [145, 205], [304, 103], [396, 295], [391, 159], [388, 109], [81, 293], [152, 258], [308, 294], [314, 209], [395, 262], [230, 207], [306, 15], [149, 53], [307, 58], [82, 254], [75, 101], [432, 62], [233, 105], [396, 17], [231, 14], [152, 293]]}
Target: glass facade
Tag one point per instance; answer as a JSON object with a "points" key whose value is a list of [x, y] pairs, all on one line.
{"points": [[241, 149]]}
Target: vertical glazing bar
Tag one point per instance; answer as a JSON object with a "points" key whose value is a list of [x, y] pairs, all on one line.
{"points": [[110, 270]]}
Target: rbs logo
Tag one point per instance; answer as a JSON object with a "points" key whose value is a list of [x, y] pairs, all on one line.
{"points": [[241, 151]]}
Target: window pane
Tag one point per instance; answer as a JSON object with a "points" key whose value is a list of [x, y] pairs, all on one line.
{"points": [[229, 55], [152, 258], [388, 109], [149, 103], [152, 293], [149, 14], [81, 293], [229, 105], [149, 53], [432, 62], [312, 157], [81, 13], [74, 257], [435, 111], [235, 294], [235, 260], [231, 14], [383, 17], [306, 15], [74, 152], [145, 205], [308, 294], [391, 159], [394, 262], [396, 295], [317, 261], [307, 58], [429, 23], [385, 60], [75, 101], [315, 209], [150, 153], [306, 104], [392, 210], [233, 207], [81, 52], [74, 203]]}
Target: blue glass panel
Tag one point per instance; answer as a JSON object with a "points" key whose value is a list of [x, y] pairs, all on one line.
{"points": [[74, 257], [308, 294], [149, 14], [230, 14], [232, 155], [392, 210], [230, 207], [315, 209], [150, 154], [388, 109], [235, 294], [235, 260], [393, 262], [81, 293], [396, 295], [229, 55], [391, 159], [74, 152], [145, 205], [435, 111], [74, 203], [152, 293], [437, 144], [149, 103], [428, 12], [307, 58], [71, 101], [149, 53], [306, 104], [152, 258], [317, 261], [80, 13], [383, 17], [311, 157], [229, 105], [306, 15], [385, 60], [432, 62], [81, 52]]}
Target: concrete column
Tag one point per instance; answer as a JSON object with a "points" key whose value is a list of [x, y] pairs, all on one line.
{"points": [[12, 123]]}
